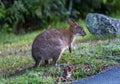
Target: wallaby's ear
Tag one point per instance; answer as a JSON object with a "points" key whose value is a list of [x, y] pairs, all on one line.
{"points": [[71, 22]]}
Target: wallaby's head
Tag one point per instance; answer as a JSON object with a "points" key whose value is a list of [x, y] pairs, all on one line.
{"points": [[76, 28]]}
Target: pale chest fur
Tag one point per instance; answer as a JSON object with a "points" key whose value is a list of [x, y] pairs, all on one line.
{"points": [[65, 46]]}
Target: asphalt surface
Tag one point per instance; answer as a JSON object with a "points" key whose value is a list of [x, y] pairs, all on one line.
{"points": [[108, 76]]}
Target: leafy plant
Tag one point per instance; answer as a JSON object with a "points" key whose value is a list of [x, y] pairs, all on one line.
{"points": [[28, 15]]}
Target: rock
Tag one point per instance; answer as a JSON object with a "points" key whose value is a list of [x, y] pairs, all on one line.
{"points": [[99, 24], [108, 76]]}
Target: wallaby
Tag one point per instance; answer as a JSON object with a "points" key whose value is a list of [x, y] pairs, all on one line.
{"points": [[52, 42]]}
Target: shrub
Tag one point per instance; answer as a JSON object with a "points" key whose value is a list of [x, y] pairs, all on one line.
{"points": [[27, 15]]}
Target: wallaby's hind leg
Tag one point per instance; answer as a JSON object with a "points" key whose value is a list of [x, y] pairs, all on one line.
{"points": [[37, 62], [56, 57], [70, 49]]}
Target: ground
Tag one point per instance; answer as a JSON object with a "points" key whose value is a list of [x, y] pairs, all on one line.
{"points": [[90, 57]]}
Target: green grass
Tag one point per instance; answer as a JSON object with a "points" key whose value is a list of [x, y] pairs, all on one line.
{"points": [[91, 56]]}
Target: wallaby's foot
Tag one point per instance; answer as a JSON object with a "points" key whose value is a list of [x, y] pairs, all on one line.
{"points": [[70, 49], [55, 65], [47, 62], [35, 66], [55, 59], [37, 63]]}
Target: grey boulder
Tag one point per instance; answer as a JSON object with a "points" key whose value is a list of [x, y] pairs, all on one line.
{"points": [[99, 24]]}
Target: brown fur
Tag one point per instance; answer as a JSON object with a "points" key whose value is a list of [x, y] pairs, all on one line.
{"points": [[51, 43]]}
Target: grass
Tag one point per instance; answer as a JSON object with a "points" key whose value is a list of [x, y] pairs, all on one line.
{"points": [[90, 56]]}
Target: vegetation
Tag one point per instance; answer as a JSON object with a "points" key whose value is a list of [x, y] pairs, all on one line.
{"points": [[21, 16], [90, 57]]}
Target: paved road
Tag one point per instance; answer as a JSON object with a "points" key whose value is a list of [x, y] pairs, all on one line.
{"points": [[108, 76]]}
